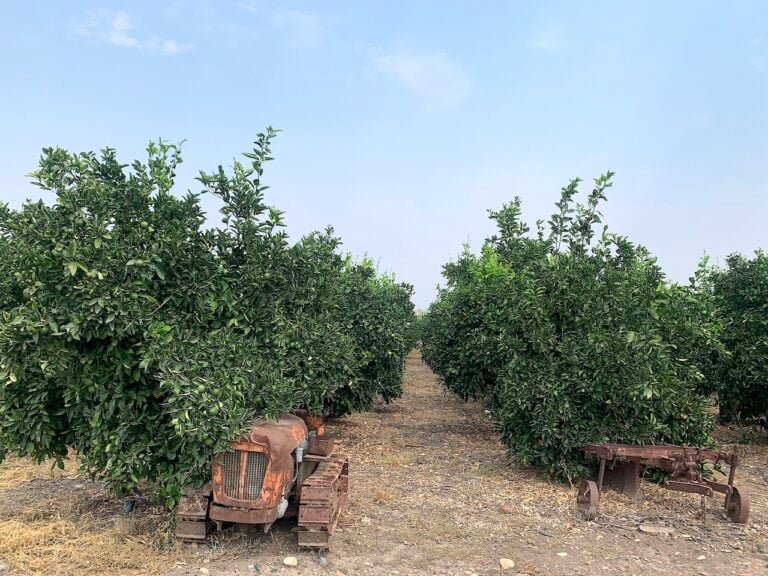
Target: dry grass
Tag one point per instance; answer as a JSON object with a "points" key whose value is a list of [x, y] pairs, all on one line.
{"points": [[68, 546], [14, 471], [397, 460], [382, 496], [57, 522], [432, 492]]}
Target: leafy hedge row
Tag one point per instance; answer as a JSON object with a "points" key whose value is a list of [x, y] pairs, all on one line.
{"points": [[741, 293], [379, 315], [572, 339], [146, 341]]}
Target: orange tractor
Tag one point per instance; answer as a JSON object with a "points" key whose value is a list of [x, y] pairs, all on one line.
{"points": [[277, 469]]}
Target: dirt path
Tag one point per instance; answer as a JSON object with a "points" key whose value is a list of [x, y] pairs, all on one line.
{"points": [[432, 492]]}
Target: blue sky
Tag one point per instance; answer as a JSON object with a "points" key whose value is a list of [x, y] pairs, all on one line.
{"points": [[403, 122]]}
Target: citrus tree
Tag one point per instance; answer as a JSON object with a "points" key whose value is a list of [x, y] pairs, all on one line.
{"points": [[741, 292], [378, 316], [572, 337], [146, 341]]}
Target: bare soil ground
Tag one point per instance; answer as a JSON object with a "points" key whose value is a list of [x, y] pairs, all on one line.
{"points": [[432, 492]]}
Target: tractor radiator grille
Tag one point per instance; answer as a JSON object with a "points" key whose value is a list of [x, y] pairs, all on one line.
{"points": [[254, 475], [255, 469], [232, 474]]}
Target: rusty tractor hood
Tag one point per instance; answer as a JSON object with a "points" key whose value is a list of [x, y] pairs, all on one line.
{"points": [[258, 469], [279, 438]]}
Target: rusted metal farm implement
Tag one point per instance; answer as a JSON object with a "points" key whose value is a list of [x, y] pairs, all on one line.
{"points": [[681, 461], [277, 469]]}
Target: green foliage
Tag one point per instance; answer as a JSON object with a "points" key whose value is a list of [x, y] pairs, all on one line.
{"points": [[417, 329], [572, 340], [741, 292], [378, 315], [147, 342]]}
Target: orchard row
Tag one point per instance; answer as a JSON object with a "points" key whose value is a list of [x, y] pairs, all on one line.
{"points": [[573, 336], [145, 341]]}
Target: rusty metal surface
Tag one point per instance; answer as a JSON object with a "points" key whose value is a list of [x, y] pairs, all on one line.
{"points": [[321, 445], [690, 487], [315, 539], [251, 479], [624, 477], [192, 530], [278, 437], [661, 452], [719, 487], [273, 441], [737, 506], [588, 499], [192, 523], [243, 515], [314, 422], [194, 503], [683, 462], [323, 499]]}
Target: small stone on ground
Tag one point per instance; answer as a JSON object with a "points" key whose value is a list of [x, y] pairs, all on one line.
{"points": [[291, 561], [655, 529]]}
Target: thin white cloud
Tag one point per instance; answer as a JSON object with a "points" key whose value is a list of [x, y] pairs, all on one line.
{"points": [[119, 31], [171, 47], [303, 30], [249, 7], [439, 81], [548, 38], [116, 28]]}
